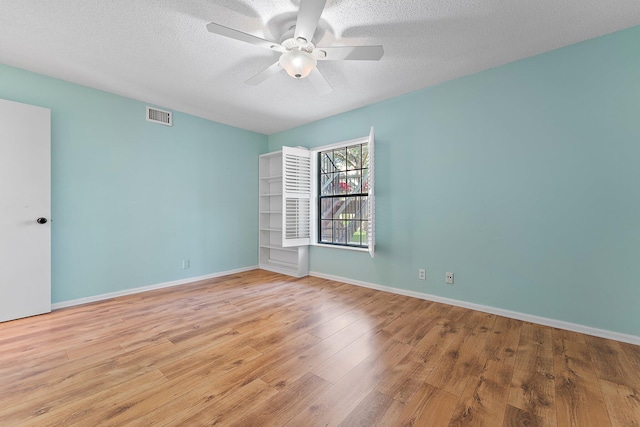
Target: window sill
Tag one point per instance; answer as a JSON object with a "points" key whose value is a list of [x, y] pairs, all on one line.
{"points": [[349, 248]]}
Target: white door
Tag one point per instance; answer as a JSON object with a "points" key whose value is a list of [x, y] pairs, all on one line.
{"points": [[25, 205]]}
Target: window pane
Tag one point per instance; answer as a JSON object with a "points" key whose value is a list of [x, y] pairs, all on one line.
{"points": [[364, 230], [364, 207], [340, 159], [326, 162], [365, 156], [326, 231], [354, 157], [353, 182], [351, 209], [326, 184], [351, 229], [343, 186], [365, 180], [326, 208], [339, 183], [356, 208], [338, 207], [339, 231], [359, 236]]}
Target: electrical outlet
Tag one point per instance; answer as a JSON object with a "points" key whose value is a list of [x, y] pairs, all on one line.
{"points": [[422, 274], [186, 263], [448, 278]]}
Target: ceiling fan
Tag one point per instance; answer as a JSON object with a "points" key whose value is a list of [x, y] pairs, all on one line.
{"points": [[299, 54]]}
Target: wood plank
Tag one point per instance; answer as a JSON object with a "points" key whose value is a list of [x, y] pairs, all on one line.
{"points": [[332, 326], [61, 409], [437, 310], [210, 358], [515, 417], [414, 331], [623, 404], [265, 317], [430, 406], [484, 400], [343, 361], [79, 379], [17, 366], [225, 411], [533, 386], [225, 379], [611, 362], [287, 403], [503, 340], [105, 347], [205, 337], [579, 400], [455, 313], [633, 354], [296, 367], [455, 368], [184, 396], [401, 322], [343, 397], [563, 334], [269, 338], [376, 409], [404, 379]]}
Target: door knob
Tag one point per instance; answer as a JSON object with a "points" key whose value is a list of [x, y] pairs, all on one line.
{"points": [[41, 220]]}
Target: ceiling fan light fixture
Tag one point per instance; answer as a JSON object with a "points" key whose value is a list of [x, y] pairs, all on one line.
{"points": [[298, 64]]}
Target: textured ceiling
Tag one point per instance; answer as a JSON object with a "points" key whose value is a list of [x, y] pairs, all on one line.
{"points": [[160, 51]]}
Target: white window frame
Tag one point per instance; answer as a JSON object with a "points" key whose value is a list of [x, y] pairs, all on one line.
{"points": [[314, 193]]}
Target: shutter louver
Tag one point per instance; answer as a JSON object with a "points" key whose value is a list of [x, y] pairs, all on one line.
{"points": [[371, 232], [296, 196]]}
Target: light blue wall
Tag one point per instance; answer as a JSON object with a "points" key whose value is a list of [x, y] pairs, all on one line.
{"points": [[523, 180], [132, 199]]}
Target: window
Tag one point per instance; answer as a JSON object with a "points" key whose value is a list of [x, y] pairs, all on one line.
{"points": [[343, 195], [328, 195]]}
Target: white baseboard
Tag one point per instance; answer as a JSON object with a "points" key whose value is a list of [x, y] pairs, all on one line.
{"points": [[603, 333], [123, 292]]}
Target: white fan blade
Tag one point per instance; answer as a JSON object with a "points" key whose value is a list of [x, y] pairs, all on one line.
{"points": [[365, 53], [308, 18], [264, 75], [319, 82], [244, 37]]}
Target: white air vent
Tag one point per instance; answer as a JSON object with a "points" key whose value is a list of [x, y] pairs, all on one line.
{"points": [[159, 116]]}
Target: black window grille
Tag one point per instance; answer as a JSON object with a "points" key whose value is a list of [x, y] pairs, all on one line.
{"points": [[343, 176]]}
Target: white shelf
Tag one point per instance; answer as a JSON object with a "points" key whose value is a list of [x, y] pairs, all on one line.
{"points": [[282, 263], [293, 261], [272, 178], [278, 248], [288, 270]]}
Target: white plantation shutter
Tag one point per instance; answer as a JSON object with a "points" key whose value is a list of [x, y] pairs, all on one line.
{"points": [[296, 196], [371, 232]]}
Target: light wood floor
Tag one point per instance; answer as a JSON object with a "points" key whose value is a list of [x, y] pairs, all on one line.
{"points": [[259, 349]]}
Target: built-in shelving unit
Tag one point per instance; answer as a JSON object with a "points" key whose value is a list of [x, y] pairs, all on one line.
{"points": [[293, 261]]}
